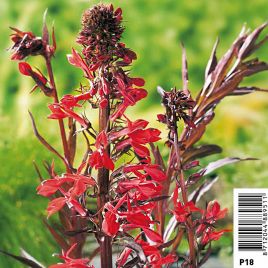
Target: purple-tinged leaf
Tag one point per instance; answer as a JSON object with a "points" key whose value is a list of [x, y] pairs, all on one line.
{"points": [[57, 237], [44, 142], [206, 256], [185, 78], [23, 260], [38, 172], [222, 162], [25, 254], [193, 153], [212, 62], [194, 178], [222, 67], [203, 188], [248, 44], [157, 156], [130, 243], [45, 36], [246, 90], [191, 164], [72, 140]]}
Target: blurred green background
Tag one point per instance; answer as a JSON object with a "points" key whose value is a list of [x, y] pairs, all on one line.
{"points": [[154, 29]]}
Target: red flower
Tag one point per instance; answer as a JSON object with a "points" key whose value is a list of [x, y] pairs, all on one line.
{"points": [[71, 101], [70, 262], [38, 78], [155, 258], [76, 60], [145, 188], [100, 158], [60, 111], [209, 235], [55, 205], [211, 215], [137, 137], [214, 211], [79, 181], [152, 170], [77, 184], [26, 44], [110, 224], [182, 211], [131, 98]]}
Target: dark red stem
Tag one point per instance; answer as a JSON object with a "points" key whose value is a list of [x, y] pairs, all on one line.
{"points": [[56, 100], [103, 191]]}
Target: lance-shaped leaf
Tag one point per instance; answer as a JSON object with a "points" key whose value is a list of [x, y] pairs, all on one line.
{"points": [[26, 261], [212, 62], [193, 153], [130, 243], [72, 140], [44, 142], [57, 237], [172, 223], [222, 67], [25, 254], [222, 162], [203, 188], [184, 71], [45, 36], [206, 256], [248, 45], [246, 90]]}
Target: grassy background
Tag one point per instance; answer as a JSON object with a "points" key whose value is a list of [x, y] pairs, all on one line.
{"points": [[154, 29]]}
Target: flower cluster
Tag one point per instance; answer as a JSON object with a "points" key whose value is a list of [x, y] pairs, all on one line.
{"points": [[70, 187], [70, 262], [122, 170]]}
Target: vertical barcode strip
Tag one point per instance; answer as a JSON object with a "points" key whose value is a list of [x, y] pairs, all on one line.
{"points": [[250, 221]]}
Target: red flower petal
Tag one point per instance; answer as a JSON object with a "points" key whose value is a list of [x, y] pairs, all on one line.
{"points": [[55, 205], [154, 172], [25, 68], [110, 226], [152, 235]]}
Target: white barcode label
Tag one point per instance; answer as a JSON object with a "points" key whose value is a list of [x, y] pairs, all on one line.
{"points": [[250, 228]]}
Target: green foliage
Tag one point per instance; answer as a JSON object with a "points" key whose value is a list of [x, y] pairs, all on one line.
{"points": [[154, 29]]}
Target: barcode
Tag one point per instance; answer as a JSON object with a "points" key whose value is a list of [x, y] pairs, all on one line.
{"points": [[250, 221], [250, 228]]}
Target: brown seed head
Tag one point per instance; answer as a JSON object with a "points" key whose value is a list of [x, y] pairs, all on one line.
{"points": [[101, 32]]}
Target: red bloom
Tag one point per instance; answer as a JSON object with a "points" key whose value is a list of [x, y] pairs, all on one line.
{"points": [[209, 235], [71, 101], [132, 97], [143, 187], [60, 111], [100, 158], [55, 205], [26, 44], [80, 184], [110, 224], [137, 137], [70, 262], [211, 215], [77, 184], [38, 78], [182, 211], [76, 60], [152, 170], [214, 211]]}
